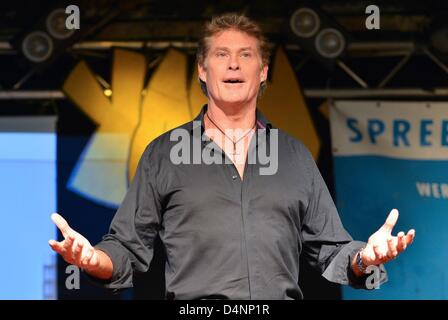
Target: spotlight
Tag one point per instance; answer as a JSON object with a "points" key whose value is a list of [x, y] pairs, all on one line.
{"points": [[46, 38], [55, 24], [37, 46], [305, 22], [330, 43], [318, 34], [107, 92]]}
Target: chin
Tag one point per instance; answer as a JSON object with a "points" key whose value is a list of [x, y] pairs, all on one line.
{"points": [[233, 101], [235, 97]]}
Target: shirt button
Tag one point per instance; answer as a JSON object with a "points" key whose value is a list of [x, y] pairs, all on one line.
{"points": [[234, 177]]}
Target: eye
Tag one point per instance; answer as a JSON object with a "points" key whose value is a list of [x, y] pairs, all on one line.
{"points": [[246, 54], [221, 54]]}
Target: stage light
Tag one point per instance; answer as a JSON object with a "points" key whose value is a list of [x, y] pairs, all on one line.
{"points": [[107, 92], [330, 43], [305, 22], [55, 24], [46, 38], [318, 34], [37, 46]]}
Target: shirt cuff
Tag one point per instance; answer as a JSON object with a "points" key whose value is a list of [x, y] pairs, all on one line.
{"points": [[122, 269], [340, 268]]}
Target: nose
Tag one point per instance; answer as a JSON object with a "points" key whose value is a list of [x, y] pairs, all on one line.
{"points": [[234, 64]]}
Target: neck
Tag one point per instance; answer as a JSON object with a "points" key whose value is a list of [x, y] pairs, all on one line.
{"points": [[232, 116]]}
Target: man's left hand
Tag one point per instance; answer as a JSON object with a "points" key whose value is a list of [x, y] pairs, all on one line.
{"points": [[382, 246]]}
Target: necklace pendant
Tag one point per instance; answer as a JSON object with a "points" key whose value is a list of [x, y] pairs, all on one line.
{"points": [[234, 150]]}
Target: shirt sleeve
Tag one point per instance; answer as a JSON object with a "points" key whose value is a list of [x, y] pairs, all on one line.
{"points": [[327, 246], [130, 240]]}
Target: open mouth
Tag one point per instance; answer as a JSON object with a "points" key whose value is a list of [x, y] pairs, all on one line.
{"points": [[233, 81]]}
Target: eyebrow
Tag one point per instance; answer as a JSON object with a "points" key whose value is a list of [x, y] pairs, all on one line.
{"points": [[227, 49]]}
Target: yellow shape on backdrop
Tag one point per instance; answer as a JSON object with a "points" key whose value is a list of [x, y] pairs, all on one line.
{"points": [[165, 106], [101, 171], [284, 105]]}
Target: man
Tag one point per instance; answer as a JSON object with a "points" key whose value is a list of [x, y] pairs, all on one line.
{"points": [[228, 230]]}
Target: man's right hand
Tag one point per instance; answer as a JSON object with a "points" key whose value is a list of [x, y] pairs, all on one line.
{"points": [[75, 249]]}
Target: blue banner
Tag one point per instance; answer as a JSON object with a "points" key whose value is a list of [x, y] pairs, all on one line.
{"points": [[395, 155]]}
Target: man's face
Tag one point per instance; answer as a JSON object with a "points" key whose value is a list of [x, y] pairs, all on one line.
{"points": [[233, 68]]}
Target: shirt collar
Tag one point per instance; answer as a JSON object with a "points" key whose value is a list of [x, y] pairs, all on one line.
{"points": [[262, 122]]}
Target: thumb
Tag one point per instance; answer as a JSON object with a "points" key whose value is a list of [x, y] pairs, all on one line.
{"points": [[391, 220]]}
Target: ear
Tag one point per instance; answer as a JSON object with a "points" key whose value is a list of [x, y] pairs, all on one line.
{"points": [[264, 73], [202, 73]]}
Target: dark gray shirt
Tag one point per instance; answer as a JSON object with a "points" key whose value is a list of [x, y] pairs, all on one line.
{"points": [[227, 237]]}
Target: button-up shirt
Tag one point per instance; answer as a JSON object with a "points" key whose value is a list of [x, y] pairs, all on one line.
{"points": [[227, 236]]}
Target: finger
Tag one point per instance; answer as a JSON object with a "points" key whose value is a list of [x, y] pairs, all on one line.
{"points": [[410, 236], [72, 251], [392, 252], [61, 224], [56, 246], [68, 242], [371, 255], [77, 251], [401, 242], [377, 251], [391, 220], [87, 257]]}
